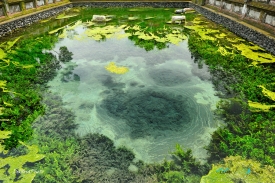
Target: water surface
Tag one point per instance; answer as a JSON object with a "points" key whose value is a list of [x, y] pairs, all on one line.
{"points": [[164, 98]]}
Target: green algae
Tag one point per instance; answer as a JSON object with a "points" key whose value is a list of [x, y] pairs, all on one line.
{"points": [[174, 37], [249, 129], [221, 35], [133, 18], [203, 32], [9, 44], [138, 9], [257, 107], [3, 85], [255, 53], [46, 20], [162, 39], [3, 135], [256, 57], [238, 168], [223, 51], [108, 31], [148, 18], [5, 49], [56, 30], [2, 54], [15, 164], [64, 16], [63, 34], [113, 68], [268, 93], [17, 64], [98, 33], [234, 39]]}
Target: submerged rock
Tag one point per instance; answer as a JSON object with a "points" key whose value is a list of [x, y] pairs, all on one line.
{"points": [[179, 11], [99, 18]]}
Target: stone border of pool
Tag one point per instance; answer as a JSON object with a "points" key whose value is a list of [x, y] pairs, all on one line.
{"points": [[242, 29], [183, 4], [10, 26]]}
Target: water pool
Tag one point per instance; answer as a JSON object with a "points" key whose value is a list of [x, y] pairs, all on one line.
{"points": [[120, 94], [164, 98]]}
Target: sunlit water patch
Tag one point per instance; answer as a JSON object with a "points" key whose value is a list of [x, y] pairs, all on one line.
{"points": [[161, 99]]}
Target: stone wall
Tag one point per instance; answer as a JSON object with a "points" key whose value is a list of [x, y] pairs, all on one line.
{"points": [[25, 21], [262, 11], [132, 4], [2, 12], [239, 29]]}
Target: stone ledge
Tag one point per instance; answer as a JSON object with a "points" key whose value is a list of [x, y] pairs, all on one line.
{"points": [[263, 6], [236, 1]]}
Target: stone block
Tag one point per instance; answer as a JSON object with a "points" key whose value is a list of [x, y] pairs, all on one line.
{"points": [[253, 13], [29, 5], [13, 8], [269, 19]]}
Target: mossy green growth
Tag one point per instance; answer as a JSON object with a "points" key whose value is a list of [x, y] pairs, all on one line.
{"points": [[2, 54], [63, 16], [174, 176], [99, 33], [204, 31], [11, 166], [19, 73], [268, 93], [251, 52], [257, 107], [238, 169], [3, 135], [5, 49], [3, 86]]}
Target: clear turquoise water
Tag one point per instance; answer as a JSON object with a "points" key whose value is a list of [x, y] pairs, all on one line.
{"points": [[164, 99]]}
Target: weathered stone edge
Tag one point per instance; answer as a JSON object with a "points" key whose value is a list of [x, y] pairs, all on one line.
{"points": [[239, 29]]}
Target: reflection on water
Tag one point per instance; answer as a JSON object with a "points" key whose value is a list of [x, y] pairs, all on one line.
{"points": [[162, 100]]}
